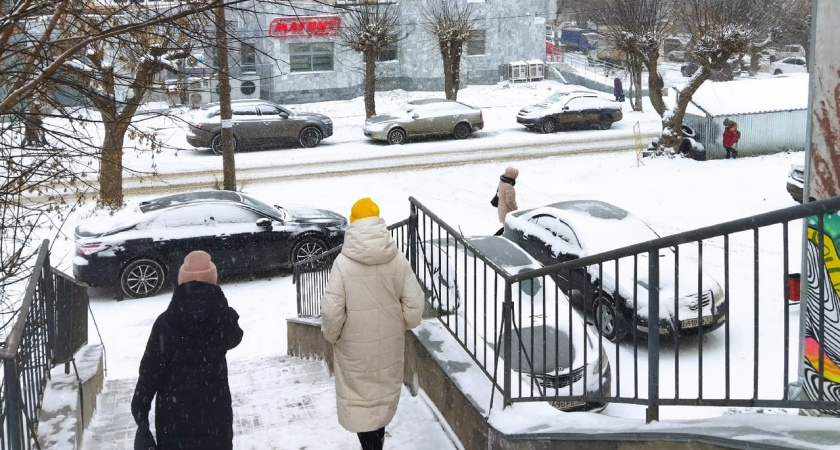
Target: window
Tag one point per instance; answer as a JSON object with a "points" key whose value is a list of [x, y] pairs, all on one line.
{"points": [[244, 110], [389, 53], [311, 57], [248, 58], [475, 46]]}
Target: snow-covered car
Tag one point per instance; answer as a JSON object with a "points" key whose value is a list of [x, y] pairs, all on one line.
{"points": [[552, 349], [142, 248], [796, 183], [427, 117], [565, 231], [568, 109], [794, 64], [257, 123]]}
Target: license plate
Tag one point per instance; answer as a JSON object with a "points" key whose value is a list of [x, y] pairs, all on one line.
{"points": [[694, 323], [567, 404]]}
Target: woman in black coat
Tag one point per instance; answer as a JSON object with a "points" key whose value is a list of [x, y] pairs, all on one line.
{"points": [[185, 366]]}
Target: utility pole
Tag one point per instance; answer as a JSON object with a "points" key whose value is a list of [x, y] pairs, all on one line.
{"points": [[225, 112]]}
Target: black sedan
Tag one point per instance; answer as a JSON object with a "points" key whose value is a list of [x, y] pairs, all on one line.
{"points": [[571, 109], [141, 249], [615, 291]]}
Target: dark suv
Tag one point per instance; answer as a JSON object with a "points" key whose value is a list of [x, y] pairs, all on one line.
{"points": [[257, 123]]}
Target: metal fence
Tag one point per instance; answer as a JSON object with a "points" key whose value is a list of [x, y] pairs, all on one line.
{"points": [[51, 326], [733, 341]]}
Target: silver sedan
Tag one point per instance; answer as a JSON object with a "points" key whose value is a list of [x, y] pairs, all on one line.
{"points": [[428, 117]]}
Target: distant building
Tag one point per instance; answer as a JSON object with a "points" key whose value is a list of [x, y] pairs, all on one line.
{"points": [[771, 113], [290, 52]]}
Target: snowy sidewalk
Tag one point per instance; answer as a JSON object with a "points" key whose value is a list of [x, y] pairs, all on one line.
{"points": [[280, 402]]}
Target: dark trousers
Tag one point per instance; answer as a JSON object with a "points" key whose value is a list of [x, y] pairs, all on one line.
{"points": [[372, 440], [731, 151]]}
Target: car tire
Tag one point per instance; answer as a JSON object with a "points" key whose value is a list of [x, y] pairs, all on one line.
{"points": [[548, 125], [308, 247], [605, 122], [142, 278], [777, 72], [396, 136], [216, 144], [607, 320], [309, 137], [462, 131]]}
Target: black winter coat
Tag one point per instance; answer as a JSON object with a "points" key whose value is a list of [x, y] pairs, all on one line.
{"points": [[185, 366]]}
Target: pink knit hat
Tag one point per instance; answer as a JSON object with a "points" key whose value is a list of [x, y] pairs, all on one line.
{"points": [[197, 267]]}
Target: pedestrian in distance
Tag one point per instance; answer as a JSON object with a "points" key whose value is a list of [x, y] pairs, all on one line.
{"points": [[33, 127], [184, 364], [731, 136], [618, 90], [372, 299], [507, 195]]}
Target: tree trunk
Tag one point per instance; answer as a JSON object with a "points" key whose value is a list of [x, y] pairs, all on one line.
{"points": [[672, 123], [656, 85], [370, 84], [111, 167], [448, 75], [225, 111]]}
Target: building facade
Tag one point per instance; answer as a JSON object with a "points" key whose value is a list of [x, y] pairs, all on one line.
{"points": [[291, 53]]}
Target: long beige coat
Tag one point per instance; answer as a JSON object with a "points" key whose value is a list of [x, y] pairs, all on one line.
{"points": [[507, 195], [373, 297]]}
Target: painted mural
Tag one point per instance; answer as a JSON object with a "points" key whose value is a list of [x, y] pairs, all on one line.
{"points": [[823, 339]]}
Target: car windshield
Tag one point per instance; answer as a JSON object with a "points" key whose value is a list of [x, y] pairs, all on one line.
{"points": [[404, 110], [273, 211], [555, 98]]}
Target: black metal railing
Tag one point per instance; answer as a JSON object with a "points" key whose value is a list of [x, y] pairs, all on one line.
{"points": [[51, 325], [727, 334]]}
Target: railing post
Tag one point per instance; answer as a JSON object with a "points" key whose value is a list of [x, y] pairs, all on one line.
{"points": [[412, 238], [50, 297], [507, 313], [653, 337], [13, 405]]}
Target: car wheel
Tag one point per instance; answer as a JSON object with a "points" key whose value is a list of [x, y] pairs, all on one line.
{"points": [[605, 123], [548, 125], [462, 130], [310, 137], [606, 319], [777, 72], [142, 278], [396, 136], [216, 144], [308, 247]]}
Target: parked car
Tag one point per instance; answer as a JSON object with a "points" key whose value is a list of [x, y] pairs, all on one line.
{"points": [[794, 64], [570, 230], [796, 183], [550, 341], [427, 117], [257, 123], [733, 69], [785, 51], [579, 108], [142, 248]]}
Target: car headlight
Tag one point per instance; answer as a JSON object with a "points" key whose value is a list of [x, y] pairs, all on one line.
{"points": [[327, 121]]}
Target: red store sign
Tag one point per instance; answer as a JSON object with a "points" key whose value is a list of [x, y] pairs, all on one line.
{"points": [[283, 27]]}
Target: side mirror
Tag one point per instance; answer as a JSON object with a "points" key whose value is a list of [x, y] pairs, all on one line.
{"points": [[415, 116], [284, 115], [265, 223]]}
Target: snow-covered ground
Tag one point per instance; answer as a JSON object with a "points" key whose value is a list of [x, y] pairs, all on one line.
{"points": [[671, 195]]}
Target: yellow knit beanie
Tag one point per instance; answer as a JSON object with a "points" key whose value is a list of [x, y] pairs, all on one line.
{"points": [[362, 209]]}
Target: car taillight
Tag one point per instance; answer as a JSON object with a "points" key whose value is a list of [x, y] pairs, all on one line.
{"points": [[481, 114], [89, 249], [197, 126]]}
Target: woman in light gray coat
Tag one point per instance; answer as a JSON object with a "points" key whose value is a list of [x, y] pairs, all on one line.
{"points": [[373, 297]]}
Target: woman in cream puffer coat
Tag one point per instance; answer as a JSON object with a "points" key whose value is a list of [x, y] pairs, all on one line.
{"points": [[373, 297], [507, 193]]}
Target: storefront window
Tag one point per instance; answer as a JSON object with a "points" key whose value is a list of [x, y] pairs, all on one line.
{"points": [[389, 53], [248, 58], [311, 57], [475, 46]]}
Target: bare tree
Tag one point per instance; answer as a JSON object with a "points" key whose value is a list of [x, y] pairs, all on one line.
{"points": [[367, 29], [452, 23], [722, 30], [637, 28]]}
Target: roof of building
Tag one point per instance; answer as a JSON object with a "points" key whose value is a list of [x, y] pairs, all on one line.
{"points": [[751, 96]]}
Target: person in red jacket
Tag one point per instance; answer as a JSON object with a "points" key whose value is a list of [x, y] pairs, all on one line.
{"points": [[730, 138]]}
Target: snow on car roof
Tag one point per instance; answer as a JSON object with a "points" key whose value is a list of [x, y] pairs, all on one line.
{"points": [[779, 93], [598, 226]]}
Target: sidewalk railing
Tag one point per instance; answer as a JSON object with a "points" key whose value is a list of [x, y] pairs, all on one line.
{"points": [[747, 356], [51, 325]]}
